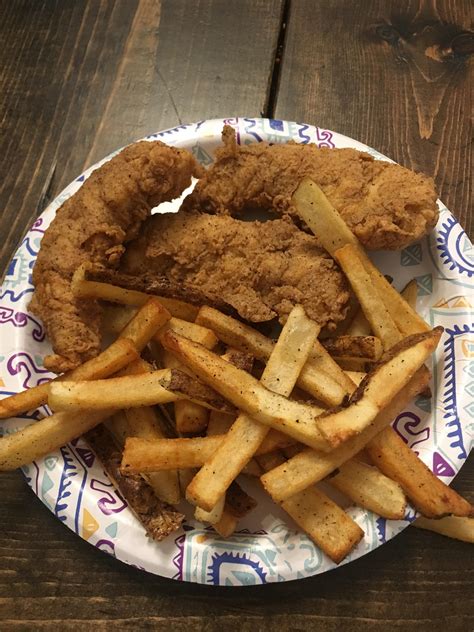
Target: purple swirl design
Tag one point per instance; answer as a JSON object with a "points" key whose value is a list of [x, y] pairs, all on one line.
{"points": [[21, 319], [324, 138], [406, 425], [107, 503], [23, 361], [107, 546], [36, 227]]}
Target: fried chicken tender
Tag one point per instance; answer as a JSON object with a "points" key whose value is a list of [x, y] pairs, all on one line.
{"points": [[92, 226], [385, 205], [261, 269]]}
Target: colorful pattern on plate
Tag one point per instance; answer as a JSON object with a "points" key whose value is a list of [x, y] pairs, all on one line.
{"points": [[267, 548]]}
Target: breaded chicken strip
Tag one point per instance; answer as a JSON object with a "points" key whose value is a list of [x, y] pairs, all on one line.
{"points": [[386, 206], [93, 225], [261, 269]]}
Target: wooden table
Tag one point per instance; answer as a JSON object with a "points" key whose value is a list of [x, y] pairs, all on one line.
{"points": [[79, 79]]}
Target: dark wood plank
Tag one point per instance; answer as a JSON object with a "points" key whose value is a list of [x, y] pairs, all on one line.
{"points": [[394, 75], [80, 79], [48, 576]]}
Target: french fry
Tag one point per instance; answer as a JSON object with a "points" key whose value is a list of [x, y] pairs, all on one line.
{"points": [[185, 476], [114, 294], [202, 335], [379, 317], [450, 526], [247, 393], [321, 377], [326, 223], [142, 423], [369, 488], [237, 505], [116, 356], [157, 387], [379, 387], [410, 293], [311, 466], [246, 434], [151, 317], [227, 524], [141, 455], [430, 496], [360, 325], [358, 365], [212, 517], [219, 423], [45, 436], [318, 516], [367, 347]]}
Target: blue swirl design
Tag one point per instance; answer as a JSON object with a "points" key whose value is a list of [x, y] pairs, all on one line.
{"points": [[304, 137], [70, 470], [461, 264], [449, 400], [381, 525], [248, 574], [251, 128]]}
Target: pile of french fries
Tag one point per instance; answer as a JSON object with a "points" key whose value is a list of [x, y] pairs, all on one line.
{"points": [[320, 411]]}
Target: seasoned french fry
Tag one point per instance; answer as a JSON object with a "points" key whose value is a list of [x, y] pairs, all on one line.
{"points": [[379, 387], [114, 294], [44, 436], [317, 515], [185, 476], [115, 357], [238, 504], [246, 434], [450, 526], [326, 223], [142, 455], [358, 365], [227, 524], [311, 466], [367, 347], [219, 423], [369, 488], [202, 335], [379, 317], [321, 377], [157, 387], [151, 317], [213, 516], [427, 493], [410, 293], [360, 325], [247, 393]]}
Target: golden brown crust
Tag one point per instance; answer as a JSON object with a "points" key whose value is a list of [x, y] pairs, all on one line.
{"points": [[385, 205], [261, 269], [93, 225]]}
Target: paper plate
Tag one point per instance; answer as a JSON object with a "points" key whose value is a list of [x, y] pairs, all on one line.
{"points": [[267, 547]]}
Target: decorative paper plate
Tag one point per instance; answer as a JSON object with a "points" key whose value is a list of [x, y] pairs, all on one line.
{"points": [[267, 548]]}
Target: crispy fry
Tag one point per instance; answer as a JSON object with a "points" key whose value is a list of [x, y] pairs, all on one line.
{"points": [[116, 356], [142, 455], [219, 423], [379, 387], [357, 365], [202, 335], [410, 293], [151, 317], [317, 515], [310, 466], [367, 347], [450, 526], [213, 516], [247, 393], [45, 436], [326, 223], [369, 488], [427, 493], [107, 292], [237, 505], [379, 317], [227, 524], [157, 387], [321, 377]]}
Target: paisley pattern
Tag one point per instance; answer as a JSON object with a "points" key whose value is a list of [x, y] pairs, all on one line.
{"points": [[72, 483]]}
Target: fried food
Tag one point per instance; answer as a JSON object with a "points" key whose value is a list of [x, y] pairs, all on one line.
{"points": [[92, 226], [385, 205], [261, 269]]}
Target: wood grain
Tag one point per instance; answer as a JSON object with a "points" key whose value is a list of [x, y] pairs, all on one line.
{"points": [[81, 79], [394, 75], [48, 576]]}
